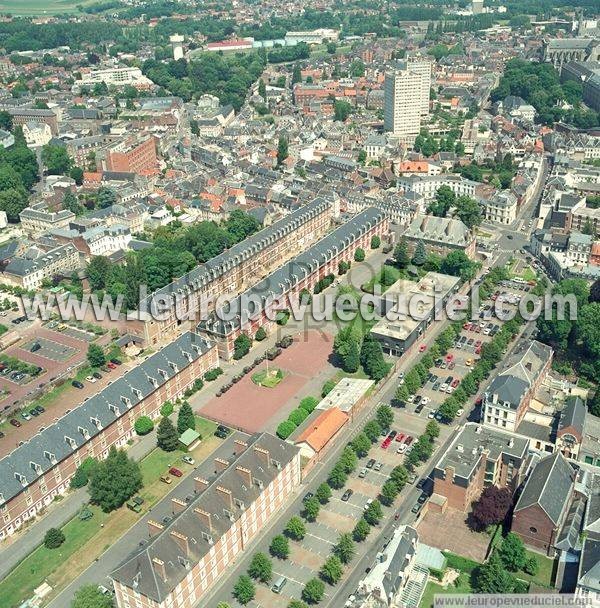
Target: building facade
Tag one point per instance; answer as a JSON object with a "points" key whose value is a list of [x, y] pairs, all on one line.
{"points": [[403, 101], [185, 557], [34, 474], [132, 157]]}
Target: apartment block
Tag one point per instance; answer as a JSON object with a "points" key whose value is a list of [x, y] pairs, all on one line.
{"points": [[508, 395], [132, 157], [235, 270], [479, 457], [34, 474], [38, 218], [21, 116], [276, 290], [185, 557], [403, 101]]}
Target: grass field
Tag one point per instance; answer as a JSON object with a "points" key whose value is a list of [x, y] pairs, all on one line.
{"points": [[42, 7]]}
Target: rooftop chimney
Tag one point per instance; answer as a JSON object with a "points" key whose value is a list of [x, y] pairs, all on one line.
{"points": [[262, 454], [154, 527], [182, 541], [159, 568], [204, 517], [239, 446], [200, 484], [177, 505], [220, 465], [246, 474], [226, 496]]}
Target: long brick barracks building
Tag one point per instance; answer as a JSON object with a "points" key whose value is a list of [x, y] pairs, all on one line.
{"points": [[184, 558], [286, 283], [36, 472], [235, 270]]}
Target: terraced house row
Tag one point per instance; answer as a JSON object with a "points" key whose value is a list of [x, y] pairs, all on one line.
{"points": [[183, 558], [38, 471], [235, 270], [280, 288]]}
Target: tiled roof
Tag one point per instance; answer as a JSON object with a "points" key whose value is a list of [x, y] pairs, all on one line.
{"points": [[323, 428]]}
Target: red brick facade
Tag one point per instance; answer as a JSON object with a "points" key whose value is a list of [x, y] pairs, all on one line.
{"points": [[135, 160]]}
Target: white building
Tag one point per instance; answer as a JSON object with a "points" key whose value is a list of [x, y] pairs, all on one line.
{"points": [[37, 134], [428, 185], [501, 208], [403, 102], [177, 44], [423, 67], [312, 37], [115, 77]]}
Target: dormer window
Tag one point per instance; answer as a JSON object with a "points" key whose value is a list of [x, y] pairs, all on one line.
{"points": [[174, 367], [137, 392], [163, 373], [84, 432], [71, 442], [36, 467], [21, 479], [126, 401], [50, 456], [153, 381], [114, 409], [96, 422]]}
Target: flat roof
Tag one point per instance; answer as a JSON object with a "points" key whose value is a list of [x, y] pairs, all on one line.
{"points": [[428, 294], [346, 394]]}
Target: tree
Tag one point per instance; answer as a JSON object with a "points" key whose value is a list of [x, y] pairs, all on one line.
{"points": [[53, 538], [310, 512], [313, 591], [285, 429], [348, 460], [337, 477], [375, 242], [83, 473], [279, 547], [76, 173], [389, 491], [323, 493], [185, 419], [295, 528], [114, 480], [223, 605], [296, 74], [308, 404], [262, 89], [399, 476], [385, 416], [420, 256], [444, 199], [166, 409], [432, 430], [457, 264], [588, 328], [371, 358], [512, 552], [241, 346], [341, 110], [13, 201], [344, 548], [282, 149], [361, 445], [244, 590], [361, 530], [372, 430], [143, 425], [332, 570], [531, 566], [362, 157], [401, 395], [328, 386], [260, 334], [6, 121], [469, 211], [261, 568], [359, 255], [373, 513], [401, 257], [492, 577], [167, 438], [492, 507], [105, 197], [56, 160], [95, 355], [296, 604], [89, 596]]}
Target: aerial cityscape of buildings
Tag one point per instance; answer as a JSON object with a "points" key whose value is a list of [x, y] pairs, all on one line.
{"points": [[300, 304]]}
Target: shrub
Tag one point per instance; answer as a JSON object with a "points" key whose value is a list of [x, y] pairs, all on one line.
{"points": [[285, 429], [213, 374], [359, 255], [166, 409], [327, 388], [308, 404], [54, 538], [298, 416], [260, 334], [143, 425]]}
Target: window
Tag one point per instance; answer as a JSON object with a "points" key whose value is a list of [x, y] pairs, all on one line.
{"points": [[533, 530]]}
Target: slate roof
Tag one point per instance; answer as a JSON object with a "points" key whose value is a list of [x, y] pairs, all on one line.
{"points": [[438, 229], [137, 571], [291, 273], [573, 415], [205, 273], [43, 451], [549, 485]]}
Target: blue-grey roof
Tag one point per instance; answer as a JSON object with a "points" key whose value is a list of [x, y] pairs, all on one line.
{"points": [[285, 278], [43, 451], [220, 264]]}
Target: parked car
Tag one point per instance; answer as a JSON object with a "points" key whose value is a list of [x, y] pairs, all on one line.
{"points": [[97, 375], [222, 431], [175, 472], [15, 422], [166, 479], [368, 504], [371, 462], [25, 415], [111, 365], [188, 459], [307, 496], [417, 508], [401, 449], [378, 466], [77, 384], [35, 347], [422, 348], [116, 361], [346, 495], [363, 472], [90, 379], [133, 506]]}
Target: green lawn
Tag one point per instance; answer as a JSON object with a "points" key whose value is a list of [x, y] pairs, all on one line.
{"points": [[544, 575], [34, 569], [432, 589], [42, 7], [268, 379]]}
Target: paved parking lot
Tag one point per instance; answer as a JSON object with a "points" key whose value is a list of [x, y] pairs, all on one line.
{"points": [[49, 349]]}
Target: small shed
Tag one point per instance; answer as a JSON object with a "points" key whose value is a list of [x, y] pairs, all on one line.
{"points": [[190, 439]]}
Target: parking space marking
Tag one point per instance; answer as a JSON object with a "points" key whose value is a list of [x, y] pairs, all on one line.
{"points": [[320, 538], [289, 578]]}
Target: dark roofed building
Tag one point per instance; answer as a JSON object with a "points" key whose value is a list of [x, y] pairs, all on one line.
{"points": [[544, 502], [186, 556]]}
